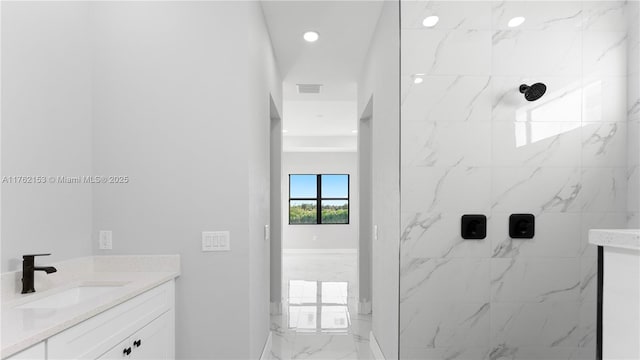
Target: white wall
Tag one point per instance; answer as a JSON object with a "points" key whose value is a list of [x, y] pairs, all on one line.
{"points": [[46, 130], [275, 162], [380, 80], [263, 80], [182, 107], [326, 236], [633, 114], [365, 226]]}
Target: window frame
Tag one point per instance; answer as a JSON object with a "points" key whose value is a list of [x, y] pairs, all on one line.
{"points": [[318, 199]]}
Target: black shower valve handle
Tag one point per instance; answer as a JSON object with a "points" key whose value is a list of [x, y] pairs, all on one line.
{"points": [[522, 226]]}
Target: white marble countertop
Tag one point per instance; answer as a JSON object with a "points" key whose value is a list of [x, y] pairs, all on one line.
{"points": [[130, 276], [619, 238]]}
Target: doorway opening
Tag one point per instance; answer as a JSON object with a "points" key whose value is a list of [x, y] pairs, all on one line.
{"points": [[323, 291]]}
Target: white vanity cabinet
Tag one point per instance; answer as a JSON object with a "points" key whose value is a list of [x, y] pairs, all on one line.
{"points": [[36, 352], [142, 327], [120, 351], [98, 307], [621, 304], [154, 341]]}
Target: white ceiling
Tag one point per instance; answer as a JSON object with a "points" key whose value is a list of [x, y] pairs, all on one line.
{"points": [[335, 60], [320, 118], [319, 144]]}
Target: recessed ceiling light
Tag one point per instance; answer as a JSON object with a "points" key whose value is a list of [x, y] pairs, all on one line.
{"points": [[311, 36], [418, 78], [516, 21], [430, 21], [285, 131], [354, 131]]}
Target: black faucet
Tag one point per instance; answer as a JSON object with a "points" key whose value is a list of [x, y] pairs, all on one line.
{"points": [[28, 268]]}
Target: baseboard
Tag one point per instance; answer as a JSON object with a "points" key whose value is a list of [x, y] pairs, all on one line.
{"points": [[375, 348], [319, 251], [364, 307], [275, 308], [266, 351]]}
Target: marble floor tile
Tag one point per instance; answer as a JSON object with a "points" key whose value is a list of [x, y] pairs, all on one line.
{"points": [[320, 320], [324, 346]]}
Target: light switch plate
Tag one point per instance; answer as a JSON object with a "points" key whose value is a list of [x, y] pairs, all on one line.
{"points": [[216, 241], [267, 233], [375, 232], [105, 240]]}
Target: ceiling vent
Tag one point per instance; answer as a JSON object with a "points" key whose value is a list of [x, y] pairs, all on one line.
{"points": [[309, 88]]}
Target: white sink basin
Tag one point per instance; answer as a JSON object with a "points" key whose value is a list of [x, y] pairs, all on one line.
{"points": [[69, 297]]}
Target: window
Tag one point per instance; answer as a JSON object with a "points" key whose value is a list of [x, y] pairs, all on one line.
{"points": [[318, 199]]}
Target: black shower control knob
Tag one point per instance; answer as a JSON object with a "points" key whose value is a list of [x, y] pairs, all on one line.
{"points": [[473, 227], [521, 226]]}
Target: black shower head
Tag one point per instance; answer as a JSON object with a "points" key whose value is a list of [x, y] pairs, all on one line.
{"points": [[533, 92]]}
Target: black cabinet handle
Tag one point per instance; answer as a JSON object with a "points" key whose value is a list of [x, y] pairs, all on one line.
{"points": [[127, 351], [137, 343]]}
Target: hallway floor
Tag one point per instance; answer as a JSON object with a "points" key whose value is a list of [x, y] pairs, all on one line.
{"points": [[320, 318]]}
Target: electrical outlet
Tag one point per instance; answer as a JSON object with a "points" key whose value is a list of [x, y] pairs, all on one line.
{"points": [[216, 241], [105, 240]]}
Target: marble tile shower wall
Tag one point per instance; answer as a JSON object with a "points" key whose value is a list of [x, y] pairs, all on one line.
{"points": [[471, 144]]}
